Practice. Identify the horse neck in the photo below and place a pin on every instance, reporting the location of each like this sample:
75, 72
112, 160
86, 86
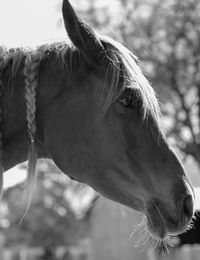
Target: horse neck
13, 103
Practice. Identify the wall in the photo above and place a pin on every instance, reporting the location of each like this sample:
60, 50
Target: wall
111, 228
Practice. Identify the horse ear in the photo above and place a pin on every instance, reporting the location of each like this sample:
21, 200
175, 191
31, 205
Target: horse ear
82, 36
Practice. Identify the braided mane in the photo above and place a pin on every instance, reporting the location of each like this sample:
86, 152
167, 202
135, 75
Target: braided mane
31, 60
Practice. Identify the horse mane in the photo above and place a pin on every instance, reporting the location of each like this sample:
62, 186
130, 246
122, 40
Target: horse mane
122, 71
30, 59
124, 65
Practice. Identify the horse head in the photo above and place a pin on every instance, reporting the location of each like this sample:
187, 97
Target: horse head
104, 130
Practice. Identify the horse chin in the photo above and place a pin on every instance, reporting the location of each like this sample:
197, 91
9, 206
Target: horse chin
152, 237
156, 230
156, 225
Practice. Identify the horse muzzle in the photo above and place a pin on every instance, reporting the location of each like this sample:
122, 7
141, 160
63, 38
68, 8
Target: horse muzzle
163, 220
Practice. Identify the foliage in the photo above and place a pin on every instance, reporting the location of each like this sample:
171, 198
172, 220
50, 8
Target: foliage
53, 217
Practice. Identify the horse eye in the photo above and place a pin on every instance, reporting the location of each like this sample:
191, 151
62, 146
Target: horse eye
126, 97
131, 98
126, 102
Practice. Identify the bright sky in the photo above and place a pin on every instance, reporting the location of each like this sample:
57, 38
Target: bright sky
14, 176
25, 22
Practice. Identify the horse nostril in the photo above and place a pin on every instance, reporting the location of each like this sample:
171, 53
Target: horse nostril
188, 207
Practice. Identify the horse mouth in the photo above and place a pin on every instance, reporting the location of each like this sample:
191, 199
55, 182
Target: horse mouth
156, 224
161, 225
153, 234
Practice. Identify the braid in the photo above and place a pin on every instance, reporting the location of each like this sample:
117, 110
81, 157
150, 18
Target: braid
1, 119
31, 81
32, 62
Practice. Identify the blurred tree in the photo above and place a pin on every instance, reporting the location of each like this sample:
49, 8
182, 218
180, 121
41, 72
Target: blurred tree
54, 218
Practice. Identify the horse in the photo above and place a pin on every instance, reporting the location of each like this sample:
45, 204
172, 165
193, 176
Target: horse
87, 106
